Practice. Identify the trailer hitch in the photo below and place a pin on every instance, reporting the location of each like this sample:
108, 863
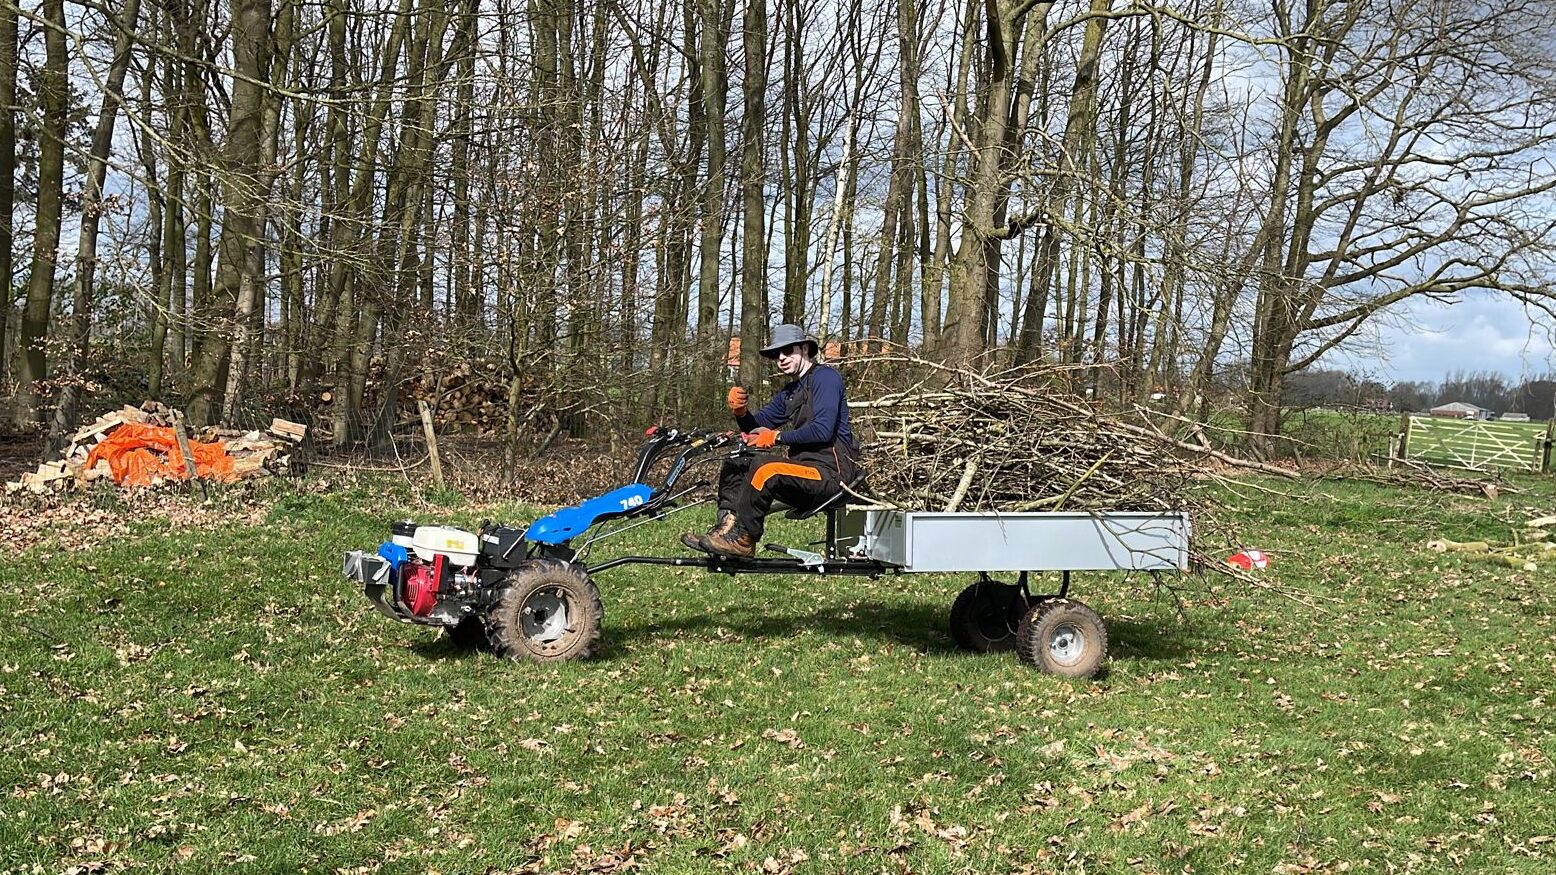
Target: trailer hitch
807, 558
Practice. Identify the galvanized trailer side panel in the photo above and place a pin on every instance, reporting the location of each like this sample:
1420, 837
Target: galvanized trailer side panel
1051, 541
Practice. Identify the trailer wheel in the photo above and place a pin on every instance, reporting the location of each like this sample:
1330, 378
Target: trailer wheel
984, 617
1062, 637
549, 611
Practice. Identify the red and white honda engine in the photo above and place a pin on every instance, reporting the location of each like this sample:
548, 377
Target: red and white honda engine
422, 574
441, 560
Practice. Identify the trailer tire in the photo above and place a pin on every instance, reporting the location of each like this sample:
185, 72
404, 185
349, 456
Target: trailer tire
1062, 637
549, 611
985, 616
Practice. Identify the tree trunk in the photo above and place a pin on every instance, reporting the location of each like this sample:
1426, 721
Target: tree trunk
242, 200
715, 20
167, 201
753, 179
466, 308
7, 174
355, 309
974, 267
834, 227
251, 291
54, 96
66, 410
1074, 157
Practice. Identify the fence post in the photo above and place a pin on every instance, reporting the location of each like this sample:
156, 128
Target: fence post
1402, 445
432, 443
1550, 438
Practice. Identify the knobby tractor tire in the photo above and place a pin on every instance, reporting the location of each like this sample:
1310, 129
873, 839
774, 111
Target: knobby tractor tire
984, 617
1062, 637
549, 611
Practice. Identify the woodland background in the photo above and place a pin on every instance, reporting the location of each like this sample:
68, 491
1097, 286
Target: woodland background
283, 206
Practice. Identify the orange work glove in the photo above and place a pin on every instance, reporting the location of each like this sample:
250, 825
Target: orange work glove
762, 440
737, 399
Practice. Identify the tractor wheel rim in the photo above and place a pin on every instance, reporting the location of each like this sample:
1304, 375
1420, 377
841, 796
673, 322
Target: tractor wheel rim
545, 616
1066, 643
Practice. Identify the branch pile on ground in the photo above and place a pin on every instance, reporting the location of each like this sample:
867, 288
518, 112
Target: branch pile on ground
1008, 442
1409, 473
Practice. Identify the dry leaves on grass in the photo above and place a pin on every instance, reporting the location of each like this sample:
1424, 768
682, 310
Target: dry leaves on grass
628, 857
355, 823
785, 737
784, 863
72, 522
921, 817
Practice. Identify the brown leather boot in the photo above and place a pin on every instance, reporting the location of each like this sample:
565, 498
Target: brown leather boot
721, 526
736, 545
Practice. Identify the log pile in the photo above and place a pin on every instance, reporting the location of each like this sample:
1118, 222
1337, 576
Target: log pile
1009, 443
467, 397
254, 453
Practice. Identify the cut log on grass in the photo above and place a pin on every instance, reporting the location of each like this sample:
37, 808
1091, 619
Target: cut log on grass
1443, 545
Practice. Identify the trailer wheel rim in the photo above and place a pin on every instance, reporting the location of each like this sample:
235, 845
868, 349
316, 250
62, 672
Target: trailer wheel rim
1067, 644
544, 616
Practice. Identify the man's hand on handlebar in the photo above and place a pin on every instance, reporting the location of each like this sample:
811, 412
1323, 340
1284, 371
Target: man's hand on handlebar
761, 439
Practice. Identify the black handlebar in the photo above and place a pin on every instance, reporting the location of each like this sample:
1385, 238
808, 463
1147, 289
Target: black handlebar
694, 445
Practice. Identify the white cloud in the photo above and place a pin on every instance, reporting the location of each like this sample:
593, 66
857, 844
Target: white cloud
1428, 341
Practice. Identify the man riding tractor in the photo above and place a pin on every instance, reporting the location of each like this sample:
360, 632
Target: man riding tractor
808, 417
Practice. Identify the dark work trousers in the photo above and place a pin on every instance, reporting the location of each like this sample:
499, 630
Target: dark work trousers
748, 486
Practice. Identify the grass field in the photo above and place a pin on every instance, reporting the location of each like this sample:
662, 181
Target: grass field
218, 698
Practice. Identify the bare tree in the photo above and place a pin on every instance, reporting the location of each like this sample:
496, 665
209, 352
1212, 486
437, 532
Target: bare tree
7, 171
243, 193
64, 420
753, 183
1409, 161
54, 98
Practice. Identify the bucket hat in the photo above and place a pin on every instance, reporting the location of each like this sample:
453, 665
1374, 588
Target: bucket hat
787, 335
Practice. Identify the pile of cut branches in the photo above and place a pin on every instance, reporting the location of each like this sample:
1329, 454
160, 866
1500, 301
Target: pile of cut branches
1010, 442
1410, 473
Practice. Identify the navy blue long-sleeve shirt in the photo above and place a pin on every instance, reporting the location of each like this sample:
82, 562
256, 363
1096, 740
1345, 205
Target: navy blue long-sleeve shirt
814, 409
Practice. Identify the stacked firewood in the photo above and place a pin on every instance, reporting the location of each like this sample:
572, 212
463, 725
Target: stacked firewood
254, 453
467, 397
1011, 442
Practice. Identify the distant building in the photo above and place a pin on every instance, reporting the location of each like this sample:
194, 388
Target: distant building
1460, 410
1511, 416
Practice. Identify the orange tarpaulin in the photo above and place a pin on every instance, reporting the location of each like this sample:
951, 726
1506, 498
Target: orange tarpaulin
137, 453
